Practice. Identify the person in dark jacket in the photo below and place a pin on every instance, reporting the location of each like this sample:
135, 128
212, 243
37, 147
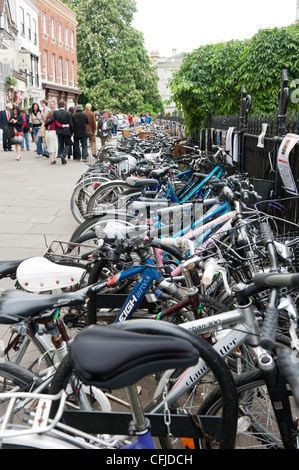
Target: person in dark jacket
80, 123
5, 116
63, 133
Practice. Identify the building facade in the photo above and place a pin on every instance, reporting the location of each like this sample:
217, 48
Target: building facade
8, 36
165, 67
28, 73
58, 51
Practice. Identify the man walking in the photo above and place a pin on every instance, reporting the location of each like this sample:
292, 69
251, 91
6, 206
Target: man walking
63, 133
80, 122
5, 116
91, 128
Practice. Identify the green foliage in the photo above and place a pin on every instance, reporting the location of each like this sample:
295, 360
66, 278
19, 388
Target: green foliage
211, 77
114, 69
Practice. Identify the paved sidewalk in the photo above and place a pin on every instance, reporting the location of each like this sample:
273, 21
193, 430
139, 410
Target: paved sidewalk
34, 203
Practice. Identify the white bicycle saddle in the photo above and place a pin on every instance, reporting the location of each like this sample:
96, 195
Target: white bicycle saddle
40, 275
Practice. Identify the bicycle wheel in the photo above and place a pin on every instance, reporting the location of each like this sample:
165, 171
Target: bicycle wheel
82, 193
257, 427
106, 196
14, 378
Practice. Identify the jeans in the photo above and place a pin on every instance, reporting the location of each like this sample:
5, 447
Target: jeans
77, 150
36, 132
26, 139
114, 129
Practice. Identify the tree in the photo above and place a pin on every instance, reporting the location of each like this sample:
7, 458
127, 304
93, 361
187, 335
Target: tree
211, 77
114, 69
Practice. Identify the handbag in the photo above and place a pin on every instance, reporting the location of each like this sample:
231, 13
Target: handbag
42, 131
17, 139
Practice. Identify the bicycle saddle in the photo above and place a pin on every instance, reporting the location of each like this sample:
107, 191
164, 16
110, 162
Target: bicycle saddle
109, 358
17, 305
38, 274
160, 173
139, 182
8, 268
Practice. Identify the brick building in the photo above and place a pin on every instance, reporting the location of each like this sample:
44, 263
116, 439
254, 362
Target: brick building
58, 51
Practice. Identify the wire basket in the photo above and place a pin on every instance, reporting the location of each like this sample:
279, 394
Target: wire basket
60, 252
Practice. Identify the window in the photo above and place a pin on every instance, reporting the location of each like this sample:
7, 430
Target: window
53, 68
28, 26
44, 27
59, 31
73, 74
36, 71
66, 36
72, 38
22, 21
45, 57
60, 69
34, 31
52, 27
66, 72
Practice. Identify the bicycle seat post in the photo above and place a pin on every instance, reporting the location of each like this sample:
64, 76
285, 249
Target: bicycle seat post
140, 423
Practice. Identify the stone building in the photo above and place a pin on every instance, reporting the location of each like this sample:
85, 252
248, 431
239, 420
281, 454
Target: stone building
165, 68
8, 36
58, 51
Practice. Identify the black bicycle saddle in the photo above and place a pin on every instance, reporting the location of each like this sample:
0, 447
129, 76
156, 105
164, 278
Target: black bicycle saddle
110, 358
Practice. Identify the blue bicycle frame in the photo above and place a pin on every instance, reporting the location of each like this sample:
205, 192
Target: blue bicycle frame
149, 273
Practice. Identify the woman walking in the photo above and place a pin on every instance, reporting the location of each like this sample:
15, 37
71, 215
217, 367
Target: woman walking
36, 120
17, 121
26, 132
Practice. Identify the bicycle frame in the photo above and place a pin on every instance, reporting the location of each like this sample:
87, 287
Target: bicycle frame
149, 274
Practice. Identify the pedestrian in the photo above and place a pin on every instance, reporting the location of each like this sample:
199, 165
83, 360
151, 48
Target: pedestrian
148, 118
115, 124
80, 123
71, 151
44, 110
36, 120
142, 119
44, 107
91, 128
17, 121
50, 134
26, 129
105, 127
5, 116
63, 133
131, 120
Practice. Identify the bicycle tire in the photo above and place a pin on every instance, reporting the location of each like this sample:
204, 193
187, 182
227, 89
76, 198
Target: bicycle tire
257, 435
81, 195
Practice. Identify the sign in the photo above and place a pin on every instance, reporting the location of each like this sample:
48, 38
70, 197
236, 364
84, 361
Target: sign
283, 164
24, 60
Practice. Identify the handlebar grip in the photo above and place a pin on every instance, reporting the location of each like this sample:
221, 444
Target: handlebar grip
290, 370
87, 255
266, 234
269, 328
208, 275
